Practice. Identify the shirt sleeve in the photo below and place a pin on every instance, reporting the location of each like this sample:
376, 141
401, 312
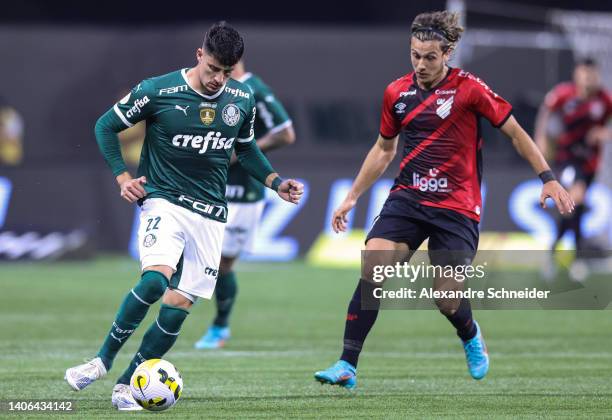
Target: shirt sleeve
489, 104
555, 98
253, 160
389, 125
247, 131
106, 129
137, 104
270, 110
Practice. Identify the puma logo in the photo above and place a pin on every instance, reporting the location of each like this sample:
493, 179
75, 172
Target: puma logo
182, 109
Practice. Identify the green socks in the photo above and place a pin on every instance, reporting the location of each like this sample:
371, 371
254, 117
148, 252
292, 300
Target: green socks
158, 339
225, 294
131, 312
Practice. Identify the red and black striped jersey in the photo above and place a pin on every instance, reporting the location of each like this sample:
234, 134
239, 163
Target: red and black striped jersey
578, 116
442, 163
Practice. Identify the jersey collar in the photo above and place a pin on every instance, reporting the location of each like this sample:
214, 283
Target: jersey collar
442, 82
216, 95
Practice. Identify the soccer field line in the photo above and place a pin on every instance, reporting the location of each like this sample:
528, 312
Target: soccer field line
226, 354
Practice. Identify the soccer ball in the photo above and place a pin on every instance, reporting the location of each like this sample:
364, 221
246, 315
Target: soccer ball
156, 385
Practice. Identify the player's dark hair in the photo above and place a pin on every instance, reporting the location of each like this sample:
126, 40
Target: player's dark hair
224, 43
586, 61
440, 26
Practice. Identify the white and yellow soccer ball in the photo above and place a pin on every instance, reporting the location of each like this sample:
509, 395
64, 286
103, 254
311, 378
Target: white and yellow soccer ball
156, 385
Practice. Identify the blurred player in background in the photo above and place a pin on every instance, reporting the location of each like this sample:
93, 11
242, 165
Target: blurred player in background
571, 127
245, 196
436, 109
195, 119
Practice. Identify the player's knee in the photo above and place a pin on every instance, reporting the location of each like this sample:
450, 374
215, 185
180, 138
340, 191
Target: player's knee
177, 299
447, 307
374, 266
151, 286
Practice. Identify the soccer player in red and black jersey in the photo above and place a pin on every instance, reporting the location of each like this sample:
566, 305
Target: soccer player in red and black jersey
436, 110
578, 111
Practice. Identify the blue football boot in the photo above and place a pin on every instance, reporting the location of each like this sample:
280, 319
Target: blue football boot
214, 338
342, 373
476, 355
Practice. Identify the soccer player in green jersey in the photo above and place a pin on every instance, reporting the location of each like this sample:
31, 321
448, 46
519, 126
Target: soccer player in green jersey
245, 196
195, 119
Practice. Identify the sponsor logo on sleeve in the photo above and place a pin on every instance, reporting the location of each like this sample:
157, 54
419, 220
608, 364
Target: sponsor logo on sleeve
478, 80
137, 107
252, 122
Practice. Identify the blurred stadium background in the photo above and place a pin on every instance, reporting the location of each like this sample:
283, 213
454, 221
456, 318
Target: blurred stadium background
64, 65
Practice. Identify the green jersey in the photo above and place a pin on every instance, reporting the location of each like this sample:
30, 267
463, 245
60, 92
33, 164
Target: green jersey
189, 139
271, 117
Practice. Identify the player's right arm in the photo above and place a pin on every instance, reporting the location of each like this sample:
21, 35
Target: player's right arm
374, 165
135, 106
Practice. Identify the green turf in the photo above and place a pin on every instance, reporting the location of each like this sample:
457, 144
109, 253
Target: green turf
287, 324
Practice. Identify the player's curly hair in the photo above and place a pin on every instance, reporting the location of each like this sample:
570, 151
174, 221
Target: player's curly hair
224, 43
438, 26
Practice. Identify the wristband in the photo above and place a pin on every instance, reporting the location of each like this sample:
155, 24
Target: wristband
547, 176
276, 183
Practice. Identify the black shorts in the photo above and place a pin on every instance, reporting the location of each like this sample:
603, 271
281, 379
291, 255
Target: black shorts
571, 172
406, 221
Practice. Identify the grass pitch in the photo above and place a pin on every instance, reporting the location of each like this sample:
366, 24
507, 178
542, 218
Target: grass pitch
287, 324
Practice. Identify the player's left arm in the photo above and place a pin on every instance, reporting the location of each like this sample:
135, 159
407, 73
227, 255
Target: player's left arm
526, 147
257, 165
498, 111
